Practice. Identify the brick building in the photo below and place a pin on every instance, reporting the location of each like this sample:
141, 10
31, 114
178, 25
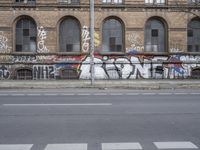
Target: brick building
49, 39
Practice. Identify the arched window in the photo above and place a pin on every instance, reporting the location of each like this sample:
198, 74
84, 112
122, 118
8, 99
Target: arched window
26, 32
155, 36
112, 38
69, 35
194, 35
24, 74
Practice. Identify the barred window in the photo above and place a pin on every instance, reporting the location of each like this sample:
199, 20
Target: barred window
112, 1
24, 74
158, 2
26, 32
25, 1
155, 36
69, 35
194, 35
112, 38
69, 1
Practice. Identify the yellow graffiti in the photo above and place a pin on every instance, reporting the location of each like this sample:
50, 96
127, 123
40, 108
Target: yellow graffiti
96, 39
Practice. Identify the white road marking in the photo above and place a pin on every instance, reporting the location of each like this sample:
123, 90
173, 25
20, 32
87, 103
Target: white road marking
67, 94
66, 147
17, 94
33, 94
49, 94
121, 146
74, 104
148, 93
175, 145
4, 94
100, 94
180, 93
16, 147
116, 94
132, 94
164, 93
83, 94
194, 93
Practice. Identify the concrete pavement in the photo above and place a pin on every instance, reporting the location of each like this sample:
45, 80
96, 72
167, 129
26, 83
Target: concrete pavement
131, 84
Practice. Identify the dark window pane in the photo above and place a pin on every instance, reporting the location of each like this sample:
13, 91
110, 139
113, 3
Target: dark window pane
155, 36
18, 48
69, 35
190, 33
197, 48
190, 48
26, 35
69, 47
25, 32
154, 33
112, 36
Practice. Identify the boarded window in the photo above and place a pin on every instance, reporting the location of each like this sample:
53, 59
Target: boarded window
69, 35
194, 36
112, 38
26, 35
155, 36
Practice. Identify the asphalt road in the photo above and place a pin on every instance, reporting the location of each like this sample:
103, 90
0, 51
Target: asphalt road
93, 119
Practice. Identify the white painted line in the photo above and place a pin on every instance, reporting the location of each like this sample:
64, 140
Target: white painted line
17, 94
83, 94
16, 147
116, 94
194, 93
164, 93
148, 93
100, 94
66, 147
4, 94
49, 94
180, 93
33, 94
175, 145
67, 94
132, 94
121, 146
86, 104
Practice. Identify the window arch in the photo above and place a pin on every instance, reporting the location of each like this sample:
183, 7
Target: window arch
25, 35
69, 35
155, 36
193, 34
112, 35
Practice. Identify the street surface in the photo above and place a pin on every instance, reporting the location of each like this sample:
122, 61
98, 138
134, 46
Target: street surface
99, 119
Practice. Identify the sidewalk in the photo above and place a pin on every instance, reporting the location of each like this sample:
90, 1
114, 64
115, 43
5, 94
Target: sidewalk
121, 84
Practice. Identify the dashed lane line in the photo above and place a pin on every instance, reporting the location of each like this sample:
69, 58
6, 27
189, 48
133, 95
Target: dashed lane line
72, 104
175, 145
16, 147
66, 147
121, 146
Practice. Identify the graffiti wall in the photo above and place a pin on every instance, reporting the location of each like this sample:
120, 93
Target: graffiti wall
106, 67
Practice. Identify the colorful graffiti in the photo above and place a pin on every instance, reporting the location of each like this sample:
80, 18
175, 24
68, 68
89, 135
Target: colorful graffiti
4, 48
106, 67
42, 35
4, 72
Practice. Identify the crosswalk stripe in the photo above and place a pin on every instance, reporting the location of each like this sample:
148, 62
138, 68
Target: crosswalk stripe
175, 145
16, 147
121, 146
80, 146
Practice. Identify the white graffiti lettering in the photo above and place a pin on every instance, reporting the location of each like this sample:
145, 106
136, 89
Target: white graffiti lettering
42, 35
4, 48
85, 39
